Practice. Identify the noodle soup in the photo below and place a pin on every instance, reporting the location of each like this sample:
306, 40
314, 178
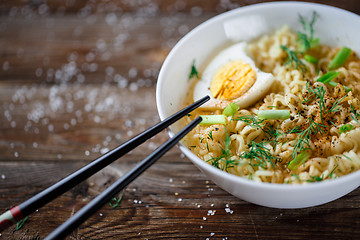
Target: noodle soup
317, 138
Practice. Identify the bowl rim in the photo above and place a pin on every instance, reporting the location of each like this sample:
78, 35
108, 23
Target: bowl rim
215, 171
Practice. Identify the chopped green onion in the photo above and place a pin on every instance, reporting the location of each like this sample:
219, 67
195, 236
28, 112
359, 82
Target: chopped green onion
213, 119
274, 114
345, 128
332, 83
300, 158
327, 77
310, 59
340, 58
231, 109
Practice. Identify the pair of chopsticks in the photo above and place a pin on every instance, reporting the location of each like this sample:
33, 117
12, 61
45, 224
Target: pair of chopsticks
19, 212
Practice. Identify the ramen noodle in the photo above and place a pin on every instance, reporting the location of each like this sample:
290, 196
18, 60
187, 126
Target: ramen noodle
319, 141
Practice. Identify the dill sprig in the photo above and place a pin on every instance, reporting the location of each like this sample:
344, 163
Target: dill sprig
193, 71
114, 202
354, 115
306, 40
302, 141
224, 161
251, 120
272, 134
21, 223
293, 60
320, 92
259, 153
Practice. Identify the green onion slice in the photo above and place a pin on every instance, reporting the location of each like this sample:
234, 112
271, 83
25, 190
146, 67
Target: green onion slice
332, 83
213, 119
274, 114
231, 109
340, 58
327, 77
310, 59
345, 128
300, 158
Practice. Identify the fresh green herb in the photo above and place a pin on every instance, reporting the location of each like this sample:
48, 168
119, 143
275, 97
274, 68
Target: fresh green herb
330, 175
339, 58
293, 59
225, 157
207, 147
213, 119
327, 77
21, 223
274, 114
347, 158
231, 109
194, 71
210, 135
259, 153
114, 202
302, 141
306, 40
251, 120
296, 129
311, 59
336, 106
319, 92
315, 179
355, 115
272, 134
298, 160
345, 128
201, 139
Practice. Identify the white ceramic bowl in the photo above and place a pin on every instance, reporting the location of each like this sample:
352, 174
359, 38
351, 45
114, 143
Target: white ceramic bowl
335, 27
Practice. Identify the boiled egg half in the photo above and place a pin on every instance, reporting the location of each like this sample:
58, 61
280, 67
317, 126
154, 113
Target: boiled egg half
232, 77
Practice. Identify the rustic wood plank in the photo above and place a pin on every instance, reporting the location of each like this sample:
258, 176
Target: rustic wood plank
77, 78
174, 200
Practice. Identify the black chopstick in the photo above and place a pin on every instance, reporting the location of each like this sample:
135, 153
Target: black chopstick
17, 213
84, 213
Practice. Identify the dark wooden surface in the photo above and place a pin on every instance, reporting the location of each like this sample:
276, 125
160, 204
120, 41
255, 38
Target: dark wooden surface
77, 78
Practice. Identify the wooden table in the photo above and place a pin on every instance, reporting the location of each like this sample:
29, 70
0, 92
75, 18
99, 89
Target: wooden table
78, 79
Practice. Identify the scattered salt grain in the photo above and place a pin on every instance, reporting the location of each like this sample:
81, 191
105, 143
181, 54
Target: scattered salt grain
87, 153
201, 227
211, 212
180, 200
133, 87
104, 150
212, 234
170, 180
3, 176
16, 154
100, 214
204, 218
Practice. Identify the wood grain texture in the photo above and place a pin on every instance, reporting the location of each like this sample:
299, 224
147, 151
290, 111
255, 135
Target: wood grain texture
78, 78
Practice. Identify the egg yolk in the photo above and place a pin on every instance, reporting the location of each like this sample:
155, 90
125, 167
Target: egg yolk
232, 80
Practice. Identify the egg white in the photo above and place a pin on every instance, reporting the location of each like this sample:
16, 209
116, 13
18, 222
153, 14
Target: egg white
233, 53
